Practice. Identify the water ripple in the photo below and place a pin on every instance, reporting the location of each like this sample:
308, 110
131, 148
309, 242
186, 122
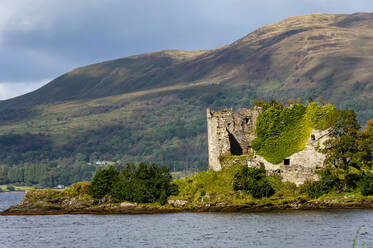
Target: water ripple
286, 229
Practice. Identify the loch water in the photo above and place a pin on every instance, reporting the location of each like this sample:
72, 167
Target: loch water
335, 228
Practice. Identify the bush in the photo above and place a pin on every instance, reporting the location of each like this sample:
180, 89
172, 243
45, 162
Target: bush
328, 181
262, 189
144, 184
80, 188
353, 180
103, 182
366, 185
314, 189
10, 188
253, 181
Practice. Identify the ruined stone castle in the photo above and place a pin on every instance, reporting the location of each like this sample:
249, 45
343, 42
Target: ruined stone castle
231, 133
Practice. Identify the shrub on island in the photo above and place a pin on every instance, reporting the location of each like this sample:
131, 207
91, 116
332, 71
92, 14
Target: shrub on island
140, 183
328, 181
253, 181
10, 188
103, 182
366, 185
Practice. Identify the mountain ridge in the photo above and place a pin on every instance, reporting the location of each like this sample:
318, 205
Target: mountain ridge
151, 107
115, 72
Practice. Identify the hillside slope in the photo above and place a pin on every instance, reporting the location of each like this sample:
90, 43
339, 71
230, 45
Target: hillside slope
300, 52
152, 106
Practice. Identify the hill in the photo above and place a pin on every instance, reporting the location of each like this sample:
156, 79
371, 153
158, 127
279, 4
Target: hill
151, 107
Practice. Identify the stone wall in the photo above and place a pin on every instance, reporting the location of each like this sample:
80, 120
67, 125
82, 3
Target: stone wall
302, 165
230, 133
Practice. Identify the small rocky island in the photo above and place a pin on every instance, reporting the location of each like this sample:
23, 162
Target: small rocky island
269, 157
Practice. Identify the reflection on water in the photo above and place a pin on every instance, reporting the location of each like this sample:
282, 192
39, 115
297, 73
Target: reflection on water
278, 229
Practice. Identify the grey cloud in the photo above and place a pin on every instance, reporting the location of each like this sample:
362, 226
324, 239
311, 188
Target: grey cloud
45, 38
9, 90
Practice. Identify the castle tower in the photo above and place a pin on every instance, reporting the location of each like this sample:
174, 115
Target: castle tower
230, 133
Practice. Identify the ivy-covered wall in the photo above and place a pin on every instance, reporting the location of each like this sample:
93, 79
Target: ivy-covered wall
283, 131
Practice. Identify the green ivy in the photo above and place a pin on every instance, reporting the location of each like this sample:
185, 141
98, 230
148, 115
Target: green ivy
283, 131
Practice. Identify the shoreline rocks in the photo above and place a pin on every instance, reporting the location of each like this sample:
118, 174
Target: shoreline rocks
176, 206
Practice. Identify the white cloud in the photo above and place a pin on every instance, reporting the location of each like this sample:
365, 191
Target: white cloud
10, 90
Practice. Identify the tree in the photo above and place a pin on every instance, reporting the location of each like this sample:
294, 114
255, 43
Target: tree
103, 182
10, 188
253, 181
342, 148
144, 183
365, 154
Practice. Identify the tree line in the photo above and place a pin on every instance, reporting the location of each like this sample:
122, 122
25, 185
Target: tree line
46, 175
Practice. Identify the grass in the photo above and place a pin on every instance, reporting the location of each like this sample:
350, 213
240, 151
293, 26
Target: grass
228, 159
205, 187
208, 186
142, 106
77, 190
217, 186
355, 237
214, 188
17, 188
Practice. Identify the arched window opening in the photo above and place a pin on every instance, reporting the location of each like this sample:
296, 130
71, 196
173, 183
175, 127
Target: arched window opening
235, 147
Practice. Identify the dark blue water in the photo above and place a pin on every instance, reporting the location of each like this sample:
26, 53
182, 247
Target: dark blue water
283, 229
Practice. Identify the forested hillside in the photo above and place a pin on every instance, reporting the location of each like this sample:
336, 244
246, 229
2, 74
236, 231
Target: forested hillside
151, 107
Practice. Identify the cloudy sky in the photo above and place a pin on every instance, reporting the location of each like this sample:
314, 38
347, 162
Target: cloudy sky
42, 39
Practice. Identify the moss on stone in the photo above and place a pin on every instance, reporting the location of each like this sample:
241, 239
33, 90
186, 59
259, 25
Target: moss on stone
283, 131
227, 160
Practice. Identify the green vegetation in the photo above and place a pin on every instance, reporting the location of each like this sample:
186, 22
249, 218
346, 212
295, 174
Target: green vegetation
328, 181
78, 191
253, 181
152, 107
103, 182
345, 181
170, 134
234, 185
5, 188
366, 185
349, 156
332, 181
356, 237
225, 186
208, 186
283, 131
10, 188
142, 183
47, 174
342, 150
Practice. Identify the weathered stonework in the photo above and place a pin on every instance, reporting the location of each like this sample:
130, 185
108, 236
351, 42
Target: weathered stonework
302, 165
231, 133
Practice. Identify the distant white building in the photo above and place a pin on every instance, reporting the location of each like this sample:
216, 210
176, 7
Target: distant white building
102, 162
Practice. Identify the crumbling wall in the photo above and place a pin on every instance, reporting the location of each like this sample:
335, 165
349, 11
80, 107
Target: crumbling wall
302, 165
230, 133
